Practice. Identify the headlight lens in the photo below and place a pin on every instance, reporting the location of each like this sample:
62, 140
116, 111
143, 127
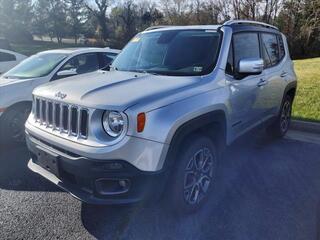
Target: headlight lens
113, 123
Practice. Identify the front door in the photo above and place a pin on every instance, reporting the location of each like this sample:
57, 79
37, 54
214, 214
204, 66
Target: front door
246, 91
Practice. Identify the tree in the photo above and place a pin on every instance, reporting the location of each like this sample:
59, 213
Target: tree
75, 10
271, 10
15, 18
128, 16
300, 22
148, 14
100, 12
51, 18
176, 11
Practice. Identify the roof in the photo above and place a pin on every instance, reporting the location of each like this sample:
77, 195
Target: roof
201, 27
236, 25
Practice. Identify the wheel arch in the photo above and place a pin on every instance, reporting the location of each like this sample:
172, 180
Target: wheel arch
19, 104
6, 117
16, 105
290, 90
212, 124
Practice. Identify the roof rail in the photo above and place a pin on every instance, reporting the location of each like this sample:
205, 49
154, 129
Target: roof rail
158, 27
232, 22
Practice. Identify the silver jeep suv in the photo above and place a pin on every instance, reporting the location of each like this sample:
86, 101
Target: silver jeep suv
159, 117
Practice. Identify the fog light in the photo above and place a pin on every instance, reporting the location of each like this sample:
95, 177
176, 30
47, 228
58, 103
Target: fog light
106, 186
123, 183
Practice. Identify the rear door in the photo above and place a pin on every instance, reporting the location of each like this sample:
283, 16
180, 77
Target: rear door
273, 53
245, 98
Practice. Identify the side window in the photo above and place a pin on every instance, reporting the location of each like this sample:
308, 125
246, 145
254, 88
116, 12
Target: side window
246, 45
83, 63
108, 58
7, 57
270, 49
282, 51
229, 66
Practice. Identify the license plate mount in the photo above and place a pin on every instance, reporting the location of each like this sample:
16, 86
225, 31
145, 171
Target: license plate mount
49, 161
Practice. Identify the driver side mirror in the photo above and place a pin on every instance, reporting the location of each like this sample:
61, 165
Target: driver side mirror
67, 73
250, 66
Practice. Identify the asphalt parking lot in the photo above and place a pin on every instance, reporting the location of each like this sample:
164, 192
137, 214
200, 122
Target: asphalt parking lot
264, 190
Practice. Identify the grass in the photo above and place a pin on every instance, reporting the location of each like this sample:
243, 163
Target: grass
307, 102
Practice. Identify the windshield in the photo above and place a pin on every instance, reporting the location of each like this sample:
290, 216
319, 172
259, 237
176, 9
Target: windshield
171, 52
38, 65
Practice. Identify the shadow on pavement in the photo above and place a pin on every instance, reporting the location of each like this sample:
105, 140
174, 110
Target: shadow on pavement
14, 173
265, 189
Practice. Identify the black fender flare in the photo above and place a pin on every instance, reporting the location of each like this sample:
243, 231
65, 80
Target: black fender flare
212, 124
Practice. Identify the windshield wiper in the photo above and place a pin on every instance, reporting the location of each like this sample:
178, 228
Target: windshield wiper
144, 71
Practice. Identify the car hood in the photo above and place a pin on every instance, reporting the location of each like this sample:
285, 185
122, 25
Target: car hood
114, 90
8, 81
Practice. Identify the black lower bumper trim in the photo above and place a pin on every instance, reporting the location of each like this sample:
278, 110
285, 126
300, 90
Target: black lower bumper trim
78, 176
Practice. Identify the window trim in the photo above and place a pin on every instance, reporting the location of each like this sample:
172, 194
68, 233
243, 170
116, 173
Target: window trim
233, 53
285, 52
279, 36
278, 59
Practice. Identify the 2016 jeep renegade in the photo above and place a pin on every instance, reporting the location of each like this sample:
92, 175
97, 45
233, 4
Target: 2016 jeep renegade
158, 118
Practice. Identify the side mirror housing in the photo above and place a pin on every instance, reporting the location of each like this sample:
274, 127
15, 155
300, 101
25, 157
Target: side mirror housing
250, 66
67, 73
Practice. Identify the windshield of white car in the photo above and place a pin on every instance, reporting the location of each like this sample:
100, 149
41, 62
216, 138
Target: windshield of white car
171, 52
35, 66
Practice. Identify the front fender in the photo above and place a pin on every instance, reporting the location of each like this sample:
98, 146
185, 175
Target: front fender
17, 92
162, 123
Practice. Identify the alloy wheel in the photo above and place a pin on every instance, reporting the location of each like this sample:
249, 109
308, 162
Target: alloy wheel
198, 176
285, 116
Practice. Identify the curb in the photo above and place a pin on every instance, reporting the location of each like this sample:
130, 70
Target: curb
311, 127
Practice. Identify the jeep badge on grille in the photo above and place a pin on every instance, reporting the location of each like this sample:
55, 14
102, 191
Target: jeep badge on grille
60, 95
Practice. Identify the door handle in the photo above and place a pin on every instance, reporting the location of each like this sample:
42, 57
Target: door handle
262, 82
283, 74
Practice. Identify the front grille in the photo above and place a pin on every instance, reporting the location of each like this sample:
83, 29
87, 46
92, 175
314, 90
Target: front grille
62, 117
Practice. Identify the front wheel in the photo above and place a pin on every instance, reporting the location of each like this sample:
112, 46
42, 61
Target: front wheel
282, 123
193, 176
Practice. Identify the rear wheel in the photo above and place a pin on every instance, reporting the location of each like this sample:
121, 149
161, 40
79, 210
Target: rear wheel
281, 125
12, 125
192, 178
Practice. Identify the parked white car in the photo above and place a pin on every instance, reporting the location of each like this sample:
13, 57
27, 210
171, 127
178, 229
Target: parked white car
9, 59
16, 85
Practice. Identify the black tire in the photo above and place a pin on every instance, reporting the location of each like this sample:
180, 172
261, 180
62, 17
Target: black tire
185, 198
12, 125
282, 123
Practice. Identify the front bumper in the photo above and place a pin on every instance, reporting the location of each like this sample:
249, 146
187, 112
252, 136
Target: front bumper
93, 181
143, 154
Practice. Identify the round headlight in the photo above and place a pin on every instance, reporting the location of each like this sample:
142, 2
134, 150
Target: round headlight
113, 123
